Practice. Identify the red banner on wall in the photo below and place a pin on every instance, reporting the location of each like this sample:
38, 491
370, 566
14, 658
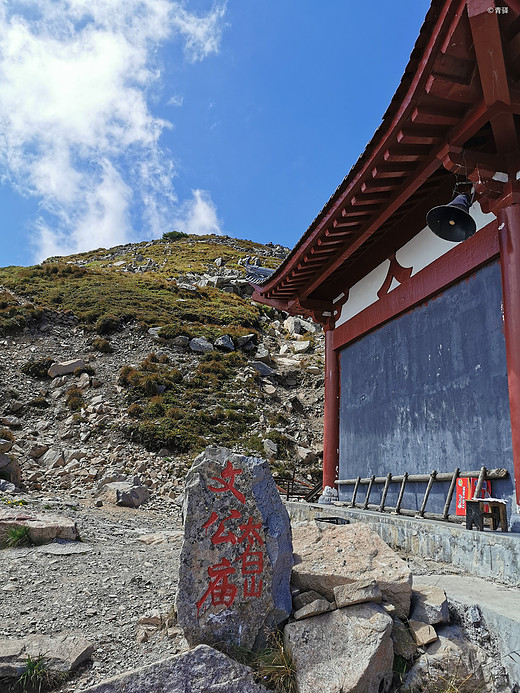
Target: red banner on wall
466, 489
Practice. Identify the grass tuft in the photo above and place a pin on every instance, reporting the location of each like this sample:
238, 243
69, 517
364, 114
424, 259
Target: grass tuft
16, 537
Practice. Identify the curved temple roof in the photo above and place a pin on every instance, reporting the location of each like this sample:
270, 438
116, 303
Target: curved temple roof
456, 111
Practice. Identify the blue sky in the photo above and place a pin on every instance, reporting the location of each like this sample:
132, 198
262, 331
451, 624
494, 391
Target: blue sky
122, 119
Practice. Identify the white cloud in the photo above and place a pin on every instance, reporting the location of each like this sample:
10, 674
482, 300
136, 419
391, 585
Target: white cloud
76, 130
198, 215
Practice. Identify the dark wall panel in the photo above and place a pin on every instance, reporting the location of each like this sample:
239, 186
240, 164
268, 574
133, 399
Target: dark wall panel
428, 390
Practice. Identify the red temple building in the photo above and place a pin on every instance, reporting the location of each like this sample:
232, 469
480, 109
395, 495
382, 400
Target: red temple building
423, 334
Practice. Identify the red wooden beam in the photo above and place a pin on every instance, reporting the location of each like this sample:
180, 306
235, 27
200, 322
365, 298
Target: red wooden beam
487, 41
509, 238
330, 413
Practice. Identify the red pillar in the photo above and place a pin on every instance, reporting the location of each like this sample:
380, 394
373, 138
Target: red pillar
331, 414
509, 239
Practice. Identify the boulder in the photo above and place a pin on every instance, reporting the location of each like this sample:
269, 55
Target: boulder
129, 494
318, 606
201, 670
65, 367
328, 556
61, 653
298, 326
357, 592
43, 527
10, 470
455, 662
262, 368
429, 605
343, 650
52, 458
200, 345
225, 343
423, 633
236, 558
404, 644
5, 445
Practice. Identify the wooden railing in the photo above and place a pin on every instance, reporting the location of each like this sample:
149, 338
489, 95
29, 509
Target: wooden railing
291, 487
482, 475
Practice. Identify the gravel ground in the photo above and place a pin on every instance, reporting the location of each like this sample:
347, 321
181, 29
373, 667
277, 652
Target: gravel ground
99, 594
102, 592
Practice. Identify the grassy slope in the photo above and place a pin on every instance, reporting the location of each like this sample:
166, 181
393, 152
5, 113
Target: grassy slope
166, 408
101, 296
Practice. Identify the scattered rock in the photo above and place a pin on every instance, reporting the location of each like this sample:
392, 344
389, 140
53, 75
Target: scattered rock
303, 598
357, 593
42, 527
404, 644
61, 653
429, 605
262, 368
344, 650
225, 343
298, 326
270, 448
10, 470
328, 556
200, 345
423, 633
319, 606
201, 670
451, 658
5, 445
301, 347
130, 494
65, 367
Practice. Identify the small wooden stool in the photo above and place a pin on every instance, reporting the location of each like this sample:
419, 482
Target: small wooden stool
475, 514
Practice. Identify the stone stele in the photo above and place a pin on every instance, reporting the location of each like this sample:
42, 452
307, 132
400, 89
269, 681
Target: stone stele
236, 558
328, 556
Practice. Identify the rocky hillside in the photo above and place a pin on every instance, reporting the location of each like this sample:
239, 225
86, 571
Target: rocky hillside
169, 355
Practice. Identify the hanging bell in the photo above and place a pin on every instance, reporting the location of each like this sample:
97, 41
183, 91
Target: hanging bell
452, 222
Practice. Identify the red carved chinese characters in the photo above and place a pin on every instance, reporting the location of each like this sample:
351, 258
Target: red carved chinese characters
221, 535
229, 473
221, 590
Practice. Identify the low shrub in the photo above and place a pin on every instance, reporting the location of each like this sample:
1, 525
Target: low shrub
102, 345
74, 399
37, 369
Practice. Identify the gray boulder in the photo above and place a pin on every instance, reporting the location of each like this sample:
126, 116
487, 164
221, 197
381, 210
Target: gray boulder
225, 343
201, 670
65, 367
452, 658
429, 605
130, 494
343, 650
61, 653
42, 527
236, 559
200, 345
10, 470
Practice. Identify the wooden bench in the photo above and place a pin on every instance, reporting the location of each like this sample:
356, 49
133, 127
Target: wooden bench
476, 514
